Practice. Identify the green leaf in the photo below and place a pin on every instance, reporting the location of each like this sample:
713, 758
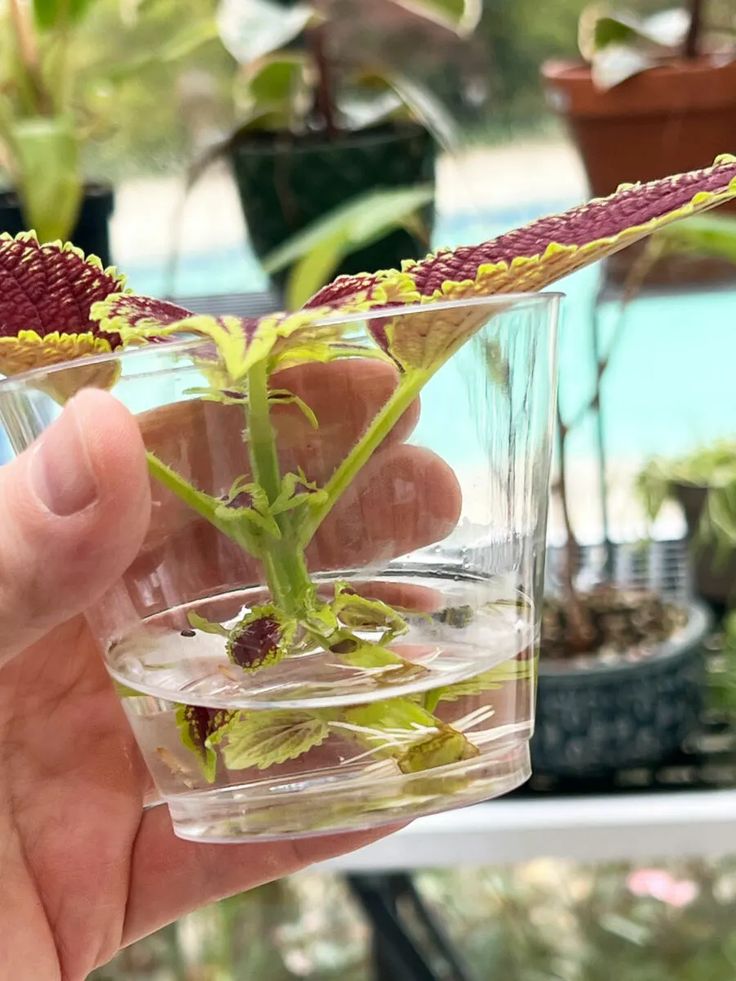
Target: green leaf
448, 746
50, 180
321, 620
373, 656
313, 270
609, 30
258, 513
661, 34
206, 626
367, 655
265, 739
653, 487
197, 728
178, 46
622, 45
617, 62
422, 342
516, 670
261, 639
282, 396
138, 317
274, 81
360, 613
666, 29
701, 235
318, 249
50, 14
297, 490
226, 520
361, 108
425, 109
393, 713
250, 29
720, 516
183, 43
365, 218
461, 16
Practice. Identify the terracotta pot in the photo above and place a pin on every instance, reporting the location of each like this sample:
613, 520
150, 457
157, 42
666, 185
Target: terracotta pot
669, 119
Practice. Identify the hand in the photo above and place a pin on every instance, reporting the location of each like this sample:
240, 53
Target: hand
84, 869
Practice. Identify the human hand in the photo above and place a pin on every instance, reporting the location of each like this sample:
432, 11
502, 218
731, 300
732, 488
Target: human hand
84, 867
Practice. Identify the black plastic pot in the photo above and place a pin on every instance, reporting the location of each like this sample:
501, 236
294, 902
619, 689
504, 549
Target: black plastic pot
714, 575
91, 233
285, 183
594, 718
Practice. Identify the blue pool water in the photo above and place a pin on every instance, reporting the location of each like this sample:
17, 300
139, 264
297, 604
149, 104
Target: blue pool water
670, 386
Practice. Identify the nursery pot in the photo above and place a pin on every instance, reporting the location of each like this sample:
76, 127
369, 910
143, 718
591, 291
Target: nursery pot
286, 182
670, 119
715, 575
306, 642
90, 234
594, 718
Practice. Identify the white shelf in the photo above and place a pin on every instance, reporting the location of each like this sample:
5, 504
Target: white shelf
590, 829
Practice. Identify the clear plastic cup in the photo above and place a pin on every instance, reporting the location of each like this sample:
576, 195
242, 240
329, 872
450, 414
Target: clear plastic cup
333, 621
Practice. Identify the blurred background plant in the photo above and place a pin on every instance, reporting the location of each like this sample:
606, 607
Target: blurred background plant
81, 84
133, 91
325, 117
703, 481
619, 43
548, 920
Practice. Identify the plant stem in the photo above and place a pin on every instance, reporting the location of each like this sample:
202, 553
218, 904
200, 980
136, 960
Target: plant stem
324, 98
283, 561
577, 620
571, 546
694, 31
601, 362
406, 391
25, 39
262, 441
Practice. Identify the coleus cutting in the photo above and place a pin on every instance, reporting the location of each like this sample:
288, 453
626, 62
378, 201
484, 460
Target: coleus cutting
56, 305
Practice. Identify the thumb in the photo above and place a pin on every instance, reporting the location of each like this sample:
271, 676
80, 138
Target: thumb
75, 509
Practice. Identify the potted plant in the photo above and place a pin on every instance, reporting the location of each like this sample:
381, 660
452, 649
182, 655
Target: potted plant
303, 644
620, 670
323, 120
57, 66
704, 484
620, 673
651, 94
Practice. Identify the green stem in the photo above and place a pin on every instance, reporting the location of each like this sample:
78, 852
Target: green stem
406, 391
283, 561
262, 441
203, 504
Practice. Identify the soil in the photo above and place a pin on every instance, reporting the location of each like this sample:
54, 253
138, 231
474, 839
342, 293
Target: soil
630, 622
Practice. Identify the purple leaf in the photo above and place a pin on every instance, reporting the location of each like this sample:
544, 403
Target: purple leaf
543, 251
259, 640
138, 312
49, 288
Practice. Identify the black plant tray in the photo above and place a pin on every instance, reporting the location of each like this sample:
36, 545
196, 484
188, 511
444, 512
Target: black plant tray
706, 760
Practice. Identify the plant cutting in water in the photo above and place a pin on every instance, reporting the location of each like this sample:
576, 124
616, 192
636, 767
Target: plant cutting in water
55, 306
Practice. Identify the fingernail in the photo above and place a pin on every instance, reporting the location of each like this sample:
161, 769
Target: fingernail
61, 473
